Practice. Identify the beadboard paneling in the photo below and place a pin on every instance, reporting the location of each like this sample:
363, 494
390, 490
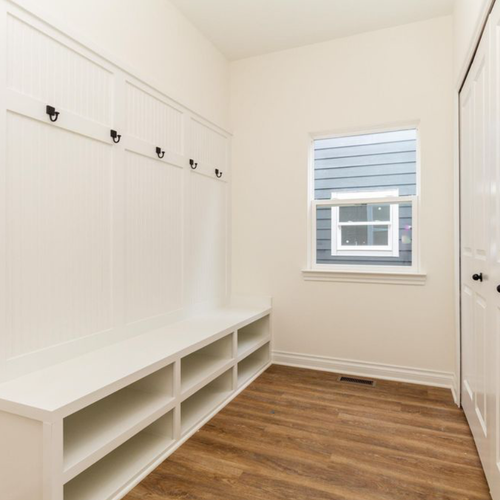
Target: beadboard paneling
99, 241
153, 121
43, 68
207, 239
58, 236
153, 237
207, 145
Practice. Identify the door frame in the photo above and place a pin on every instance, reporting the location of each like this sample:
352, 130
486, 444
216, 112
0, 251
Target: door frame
462, 76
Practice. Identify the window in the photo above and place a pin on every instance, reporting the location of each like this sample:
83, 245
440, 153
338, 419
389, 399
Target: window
364, 202
365, 230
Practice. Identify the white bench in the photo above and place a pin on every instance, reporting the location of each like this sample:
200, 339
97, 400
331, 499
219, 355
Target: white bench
92, 427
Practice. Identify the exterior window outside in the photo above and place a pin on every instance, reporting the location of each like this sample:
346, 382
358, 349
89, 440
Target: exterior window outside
349, 172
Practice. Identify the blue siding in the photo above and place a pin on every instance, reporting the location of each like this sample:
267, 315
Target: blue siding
375, 162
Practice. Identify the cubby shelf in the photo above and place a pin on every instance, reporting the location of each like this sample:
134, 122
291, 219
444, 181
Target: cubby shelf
199, 405
111, 474
251, 336
140, 400
89, 432
200, 367
102, 426
251, 365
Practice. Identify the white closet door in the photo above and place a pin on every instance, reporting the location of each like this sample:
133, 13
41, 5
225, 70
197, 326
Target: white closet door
480, 250
475, 305
493, 472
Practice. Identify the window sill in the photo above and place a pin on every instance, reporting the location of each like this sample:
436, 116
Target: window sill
377, 277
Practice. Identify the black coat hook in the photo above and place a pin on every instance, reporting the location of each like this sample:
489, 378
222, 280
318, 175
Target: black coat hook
160, 153
218, 173
193, 164
53, 114
115, 136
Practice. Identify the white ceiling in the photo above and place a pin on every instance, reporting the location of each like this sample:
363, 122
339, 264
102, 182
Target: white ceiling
244, 28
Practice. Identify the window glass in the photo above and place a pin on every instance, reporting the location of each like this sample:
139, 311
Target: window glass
365, 213
365, 235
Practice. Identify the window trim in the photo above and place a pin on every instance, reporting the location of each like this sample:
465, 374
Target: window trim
405, 275
389, 250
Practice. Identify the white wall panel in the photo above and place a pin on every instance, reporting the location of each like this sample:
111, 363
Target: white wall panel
207, 239
99, 241
153, 121
207, 145
58, 236
153, 237
43, 68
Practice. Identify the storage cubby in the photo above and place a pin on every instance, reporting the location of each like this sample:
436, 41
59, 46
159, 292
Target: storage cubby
252, 335
100, 427
111, 474
253, 363
105, 431
200, 404
196, 368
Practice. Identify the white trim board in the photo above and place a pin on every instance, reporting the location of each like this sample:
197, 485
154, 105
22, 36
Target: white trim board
380, 276
365, 369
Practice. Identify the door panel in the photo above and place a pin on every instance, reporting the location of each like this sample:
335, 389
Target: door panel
481, 365
493, 473
480, 249
475, 119
468, 344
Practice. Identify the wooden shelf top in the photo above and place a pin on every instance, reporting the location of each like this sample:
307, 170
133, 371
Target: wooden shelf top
64, 388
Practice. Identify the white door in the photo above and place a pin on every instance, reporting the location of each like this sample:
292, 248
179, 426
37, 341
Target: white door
474, 101
480, 249
493, 472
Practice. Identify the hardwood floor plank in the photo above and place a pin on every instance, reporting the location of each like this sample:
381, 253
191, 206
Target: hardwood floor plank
297, 434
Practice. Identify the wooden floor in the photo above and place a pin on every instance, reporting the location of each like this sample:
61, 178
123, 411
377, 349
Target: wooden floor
301, 435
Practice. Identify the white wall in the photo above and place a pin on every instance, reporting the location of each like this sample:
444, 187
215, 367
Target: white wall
374, 79
468, 17
123, 245
155, 39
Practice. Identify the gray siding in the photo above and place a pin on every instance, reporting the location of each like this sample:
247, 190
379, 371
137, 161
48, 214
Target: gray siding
365, 163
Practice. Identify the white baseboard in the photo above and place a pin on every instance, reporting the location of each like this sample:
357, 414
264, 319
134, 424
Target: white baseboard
364, 369
456, 391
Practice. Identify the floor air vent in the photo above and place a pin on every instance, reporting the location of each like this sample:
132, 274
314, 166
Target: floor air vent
354, 380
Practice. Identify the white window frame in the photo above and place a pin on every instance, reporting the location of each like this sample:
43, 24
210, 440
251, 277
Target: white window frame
389, 250
401, 275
